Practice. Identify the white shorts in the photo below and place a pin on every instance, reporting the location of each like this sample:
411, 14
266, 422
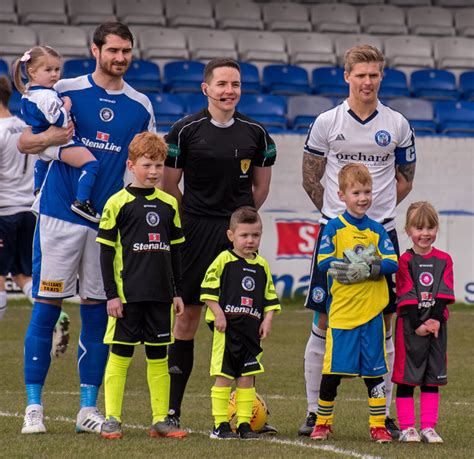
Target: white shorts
62, 252
51, 153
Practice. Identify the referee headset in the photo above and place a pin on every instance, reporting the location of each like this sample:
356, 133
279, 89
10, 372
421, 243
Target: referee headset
222, 99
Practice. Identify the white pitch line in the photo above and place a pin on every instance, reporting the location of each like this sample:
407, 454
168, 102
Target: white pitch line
287, 442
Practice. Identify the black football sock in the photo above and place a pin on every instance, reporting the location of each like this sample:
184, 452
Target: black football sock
180, 364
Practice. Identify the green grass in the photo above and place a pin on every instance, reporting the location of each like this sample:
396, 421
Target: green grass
282, 386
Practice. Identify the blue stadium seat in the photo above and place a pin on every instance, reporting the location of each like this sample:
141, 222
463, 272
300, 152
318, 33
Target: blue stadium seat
193, 101
144, 76
329, 81
168, 108
267, 109
3, 67
15, 103
183, 76
73, 68
250, 78
455, 118
434, 84
419, 112
303, 110
394, 84
466, 85
285, 79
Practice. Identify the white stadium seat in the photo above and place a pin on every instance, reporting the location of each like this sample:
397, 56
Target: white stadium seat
344, 42
189, 13
454, 53
286, 16
205, 44
140, 12
69, 41
16, 39
90, 11
7, 12
44, 11
162, 44
238, 14
335, 17
258, 47
430, 21
310, 48
408, 51
464, 21
383, 19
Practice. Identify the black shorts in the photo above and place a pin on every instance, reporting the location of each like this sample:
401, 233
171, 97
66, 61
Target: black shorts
318, 286
231, 358
205, 238
16, 243
419, 360
146, 322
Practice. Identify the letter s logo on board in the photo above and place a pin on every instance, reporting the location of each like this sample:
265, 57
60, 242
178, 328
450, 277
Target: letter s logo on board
296, 238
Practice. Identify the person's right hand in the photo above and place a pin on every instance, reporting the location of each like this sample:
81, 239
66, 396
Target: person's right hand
59, 136
422, 330
115, 308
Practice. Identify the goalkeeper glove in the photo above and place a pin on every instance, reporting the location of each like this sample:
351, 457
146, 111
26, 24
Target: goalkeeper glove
366, 256
349, 273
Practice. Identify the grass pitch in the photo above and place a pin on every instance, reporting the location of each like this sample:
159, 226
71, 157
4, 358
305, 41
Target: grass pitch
282, 386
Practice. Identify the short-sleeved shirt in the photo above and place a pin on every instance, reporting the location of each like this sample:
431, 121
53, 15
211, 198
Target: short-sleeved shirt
142, 228
421, 279
352, 305
105, 122
244, 290
380, 142
218, 161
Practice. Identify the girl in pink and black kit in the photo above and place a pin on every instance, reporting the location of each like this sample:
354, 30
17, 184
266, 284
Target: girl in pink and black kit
424, 290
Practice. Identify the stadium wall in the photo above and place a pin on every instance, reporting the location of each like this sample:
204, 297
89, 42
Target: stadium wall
444, 176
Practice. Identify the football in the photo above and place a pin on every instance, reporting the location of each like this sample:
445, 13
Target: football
259, 412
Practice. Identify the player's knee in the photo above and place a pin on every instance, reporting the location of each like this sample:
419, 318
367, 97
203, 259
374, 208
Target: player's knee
187, 324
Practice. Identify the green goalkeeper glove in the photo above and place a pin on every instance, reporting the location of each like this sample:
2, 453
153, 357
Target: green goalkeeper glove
366, 256
349, 273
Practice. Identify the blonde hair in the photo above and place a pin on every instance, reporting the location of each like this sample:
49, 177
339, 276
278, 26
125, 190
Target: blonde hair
421, 214
363, 53
353, 173
148, 145
31, 59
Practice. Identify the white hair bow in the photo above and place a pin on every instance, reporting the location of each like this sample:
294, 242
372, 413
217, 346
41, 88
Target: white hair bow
26, 56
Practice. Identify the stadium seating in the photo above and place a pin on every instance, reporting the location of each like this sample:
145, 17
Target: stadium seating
409, 2
189, 13
455, 118
267, 109
329, 81
302, 111
267, 47
183, 76
408, 51
16, 39
7, 12
15, 103
394, 84
430, 20
335, 17
383, 19
3, 67
466, 85
44, 11
419, 112
281, 79
464, 21
250, 78
144, 76
168, 109
286, 16
454, 53
193, 101
69, 41
140, 12
205, 44
434, 84
90, 11
162, 44
346, 41
310, 48
73, 68
238, 14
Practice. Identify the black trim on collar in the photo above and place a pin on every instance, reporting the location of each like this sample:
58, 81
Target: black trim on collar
367, 120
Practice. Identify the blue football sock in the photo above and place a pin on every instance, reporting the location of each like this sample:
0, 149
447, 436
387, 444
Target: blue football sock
87, 180
41, 169
92, 352
38, 340
33, 394
89, 395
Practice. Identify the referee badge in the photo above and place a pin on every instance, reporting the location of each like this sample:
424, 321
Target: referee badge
248, 283
244, 165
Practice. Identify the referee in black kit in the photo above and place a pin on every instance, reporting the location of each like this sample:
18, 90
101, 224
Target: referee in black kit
225, 158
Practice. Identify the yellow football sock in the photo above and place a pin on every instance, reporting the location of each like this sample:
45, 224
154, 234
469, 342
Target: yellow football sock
325, 412
377, 412
159, 386
114, 384
220, 401
244, 403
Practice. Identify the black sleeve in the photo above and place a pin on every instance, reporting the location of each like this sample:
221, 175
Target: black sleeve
438, 309
177, 269
412, 310
107, 255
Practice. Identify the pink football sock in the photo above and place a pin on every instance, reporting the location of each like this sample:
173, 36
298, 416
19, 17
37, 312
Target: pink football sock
405, 412
429, 407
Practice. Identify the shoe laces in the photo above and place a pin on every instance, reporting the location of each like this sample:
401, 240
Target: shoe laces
172, 420
96, 415
33, 417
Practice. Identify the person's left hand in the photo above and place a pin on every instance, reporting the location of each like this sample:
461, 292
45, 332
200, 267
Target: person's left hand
178, 306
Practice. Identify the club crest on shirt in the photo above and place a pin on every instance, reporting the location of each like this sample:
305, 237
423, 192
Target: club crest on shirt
318, 295
426, 279
244, 165
383, 138
248, 283
106, 114
152, 218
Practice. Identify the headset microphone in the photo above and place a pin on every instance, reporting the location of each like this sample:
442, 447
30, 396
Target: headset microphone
222, 99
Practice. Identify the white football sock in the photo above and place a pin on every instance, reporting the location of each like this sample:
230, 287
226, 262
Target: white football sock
3, 304
313, 366
390, 349
28, 291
